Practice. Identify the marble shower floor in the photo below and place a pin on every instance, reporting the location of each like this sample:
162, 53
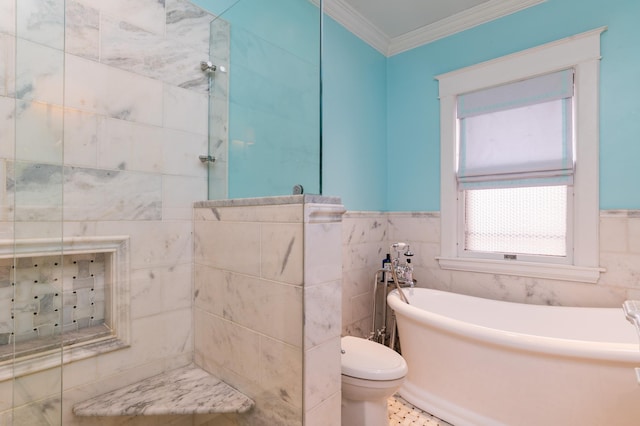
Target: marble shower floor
402, 413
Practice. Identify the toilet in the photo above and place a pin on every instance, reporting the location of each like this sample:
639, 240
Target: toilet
371, 373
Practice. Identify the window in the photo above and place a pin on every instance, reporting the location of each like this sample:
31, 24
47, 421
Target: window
515, 167
519, 163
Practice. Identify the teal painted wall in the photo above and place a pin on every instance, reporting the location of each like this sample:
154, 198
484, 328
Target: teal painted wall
354, 120
413, 109
381, 140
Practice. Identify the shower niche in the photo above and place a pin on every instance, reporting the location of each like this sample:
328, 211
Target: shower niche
72, 294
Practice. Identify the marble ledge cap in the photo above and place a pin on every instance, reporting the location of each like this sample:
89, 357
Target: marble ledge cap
270, 201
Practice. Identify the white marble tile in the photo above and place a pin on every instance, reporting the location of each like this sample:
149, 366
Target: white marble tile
147, 14
101, 89
364, 228
38, 191
178, 195
209, 283
281, 371
418, 227
159, 336
7, 64
328, 412
39, 132
634, 235
622, 269
282, 252
153, 243
266, 307
322, 313
322, 260
92, 194
188, 23
132, 48
80, 372
41, 21
82, 33
180, 151
7, 129
126, 145
146, 293
365, 255
186, 110
39, 413
222, 344
6, 396
82, 134
234, 246
160, 289
322, 369
178, 336
41, 385
177, 284
7, 16
613, 235
39, 75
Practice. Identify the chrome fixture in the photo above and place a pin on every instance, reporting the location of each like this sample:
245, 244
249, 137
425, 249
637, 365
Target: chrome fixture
210, 67
297, 189
207, 158
400, 274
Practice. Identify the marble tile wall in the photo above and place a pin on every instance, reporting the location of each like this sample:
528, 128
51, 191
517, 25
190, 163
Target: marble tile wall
367, 235
103, 113
267, 306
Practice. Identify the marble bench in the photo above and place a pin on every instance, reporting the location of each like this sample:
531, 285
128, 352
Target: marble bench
187, 390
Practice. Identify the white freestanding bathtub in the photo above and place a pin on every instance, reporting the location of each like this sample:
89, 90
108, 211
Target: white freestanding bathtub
476, 361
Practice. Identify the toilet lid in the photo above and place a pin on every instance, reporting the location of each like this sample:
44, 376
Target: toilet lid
364, 359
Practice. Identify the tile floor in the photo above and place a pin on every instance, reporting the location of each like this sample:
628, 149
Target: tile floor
402, 413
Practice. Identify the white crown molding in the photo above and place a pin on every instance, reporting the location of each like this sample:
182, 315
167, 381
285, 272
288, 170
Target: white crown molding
364, 29
353, 21
485, 12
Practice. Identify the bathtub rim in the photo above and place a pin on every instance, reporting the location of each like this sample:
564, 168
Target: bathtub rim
619, 352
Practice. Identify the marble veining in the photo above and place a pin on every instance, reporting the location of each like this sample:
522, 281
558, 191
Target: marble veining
187, 390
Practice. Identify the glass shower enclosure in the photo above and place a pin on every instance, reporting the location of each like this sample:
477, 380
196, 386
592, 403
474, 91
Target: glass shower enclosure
32, 314
264, 110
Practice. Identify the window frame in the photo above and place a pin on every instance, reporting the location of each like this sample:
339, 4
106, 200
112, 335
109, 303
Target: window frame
582, 53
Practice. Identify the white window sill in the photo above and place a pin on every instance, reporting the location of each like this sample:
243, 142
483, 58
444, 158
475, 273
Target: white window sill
523, 269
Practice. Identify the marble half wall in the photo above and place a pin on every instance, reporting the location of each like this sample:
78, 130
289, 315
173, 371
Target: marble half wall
367, 235
267, 304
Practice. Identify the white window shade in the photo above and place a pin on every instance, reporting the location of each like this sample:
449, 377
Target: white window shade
518, 134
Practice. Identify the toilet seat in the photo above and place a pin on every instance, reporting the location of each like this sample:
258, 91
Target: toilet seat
364, 359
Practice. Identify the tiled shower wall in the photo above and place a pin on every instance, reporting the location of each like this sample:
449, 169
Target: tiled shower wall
113, 91
367, 236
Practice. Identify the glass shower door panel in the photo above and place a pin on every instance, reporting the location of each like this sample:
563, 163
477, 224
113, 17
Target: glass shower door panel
264, 110
32, 204
218, 170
